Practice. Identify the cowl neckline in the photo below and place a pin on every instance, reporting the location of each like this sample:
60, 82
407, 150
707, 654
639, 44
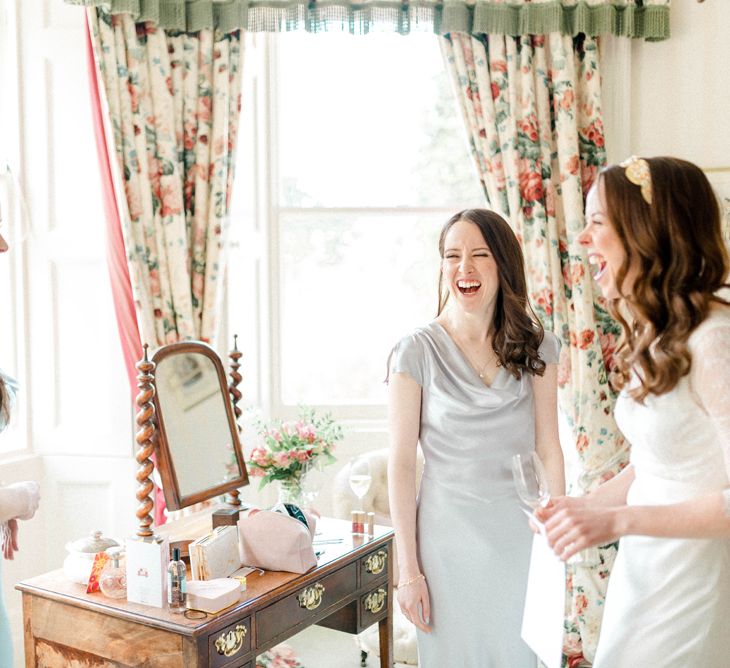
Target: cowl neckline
499, 383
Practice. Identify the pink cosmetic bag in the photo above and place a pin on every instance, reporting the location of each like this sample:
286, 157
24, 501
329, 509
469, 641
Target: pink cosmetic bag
276, 542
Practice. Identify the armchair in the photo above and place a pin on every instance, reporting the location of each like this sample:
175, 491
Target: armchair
376, 500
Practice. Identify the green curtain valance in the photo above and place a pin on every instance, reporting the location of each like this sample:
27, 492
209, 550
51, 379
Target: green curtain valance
647, 19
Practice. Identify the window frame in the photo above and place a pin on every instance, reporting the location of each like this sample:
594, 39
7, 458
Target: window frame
264, 186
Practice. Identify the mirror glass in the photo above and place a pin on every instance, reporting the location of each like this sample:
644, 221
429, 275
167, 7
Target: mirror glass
199, 450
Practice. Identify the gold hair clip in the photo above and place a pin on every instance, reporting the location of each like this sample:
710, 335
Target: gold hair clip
637, 171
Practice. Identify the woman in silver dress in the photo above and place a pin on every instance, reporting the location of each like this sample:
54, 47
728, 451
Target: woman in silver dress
475, 387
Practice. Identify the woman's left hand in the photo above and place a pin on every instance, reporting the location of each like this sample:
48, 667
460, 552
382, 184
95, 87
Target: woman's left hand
573, 524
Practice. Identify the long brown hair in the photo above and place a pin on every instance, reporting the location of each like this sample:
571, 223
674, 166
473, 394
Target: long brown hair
517, 333
681, 261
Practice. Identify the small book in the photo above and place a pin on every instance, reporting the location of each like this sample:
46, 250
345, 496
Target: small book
215, 555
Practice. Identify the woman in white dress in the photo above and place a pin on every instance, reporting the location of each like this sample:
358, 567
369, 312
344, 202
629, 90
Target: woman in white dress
475, 386
653, 234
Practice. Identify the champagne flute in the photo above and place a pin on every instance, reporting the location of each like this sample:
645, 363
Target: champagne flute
531, 481
360, 477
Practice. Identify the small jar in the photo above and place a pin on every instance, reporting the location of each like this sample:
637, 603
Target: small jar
81, 553
113, 580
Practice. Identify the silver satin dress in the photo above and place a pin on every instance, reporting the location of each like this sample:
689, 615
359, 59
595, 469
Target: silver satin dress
473, 540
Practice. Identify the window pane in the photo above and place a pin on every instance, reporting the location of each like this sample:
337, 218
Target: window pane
370, 121
351, 287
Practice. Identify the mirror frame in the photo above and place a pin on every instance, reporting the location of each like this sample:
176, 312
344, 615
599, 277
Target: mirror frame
165, 465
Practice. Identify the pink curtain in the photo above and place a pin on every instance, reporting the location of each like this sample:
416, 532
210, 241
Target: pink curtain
116, 255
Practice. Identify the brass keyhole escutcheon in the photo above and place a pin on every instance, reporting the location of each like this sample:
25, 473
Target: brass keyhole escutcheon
311, 597
375, 600
230, 643
375, 563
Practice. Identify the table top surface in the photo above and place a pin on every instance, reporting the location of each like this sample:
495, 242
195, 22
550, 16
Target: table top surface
55, 585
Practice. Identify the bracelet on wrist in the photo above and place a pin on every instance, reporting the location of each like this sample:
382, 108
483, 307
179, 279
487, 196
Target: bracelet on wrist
415, 578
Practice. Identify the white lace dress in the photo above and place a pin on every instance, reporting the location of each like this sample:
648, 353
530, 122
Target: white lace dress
668, 600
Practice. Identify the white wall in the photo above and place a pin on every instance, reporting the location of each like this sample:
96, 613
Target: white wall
680, 89
75, 388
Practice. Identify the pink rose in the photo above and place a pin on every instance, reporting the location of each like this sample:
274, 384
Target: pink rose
282, 458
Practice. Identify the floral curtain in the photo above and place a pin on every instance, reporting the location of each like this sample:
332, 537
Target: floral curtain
532, 107
173, 105
648, 19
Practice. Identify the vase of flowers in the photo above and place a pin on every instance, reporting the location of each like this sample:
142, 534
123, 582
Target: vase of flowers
290, 449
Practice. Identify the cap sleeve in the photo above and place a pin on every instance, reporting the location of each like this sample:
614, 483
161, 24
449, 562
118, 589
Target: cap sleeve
408, 357
550, 348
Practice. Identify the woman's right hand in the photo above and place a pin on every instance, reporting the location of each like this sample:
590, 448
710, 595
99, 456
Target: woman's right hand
414, 602
573, 524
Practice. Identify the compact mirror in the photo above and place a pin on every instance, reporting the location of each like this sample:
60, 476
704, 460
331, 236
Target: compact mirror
198, 449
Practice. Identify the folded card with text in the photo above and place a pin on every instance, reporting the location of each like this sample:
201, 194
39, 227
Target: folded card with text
542, 622
215, 555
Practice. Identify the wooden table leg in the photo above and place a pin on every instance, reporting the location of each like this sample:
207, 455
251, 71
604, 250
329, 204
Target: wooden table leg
385, 626
29, 641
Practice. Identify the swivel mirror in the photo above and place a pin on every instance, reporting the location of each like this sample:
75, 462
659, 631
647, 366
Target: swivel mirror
198, 449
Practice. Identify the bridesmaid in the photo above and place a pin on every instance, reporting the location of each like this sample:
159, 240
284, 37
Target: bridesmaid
475, 386
653, 234
17, 501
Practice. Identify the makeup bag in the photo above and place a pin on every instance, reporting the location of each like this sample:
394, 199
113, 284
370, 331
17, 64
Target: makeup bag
277, 541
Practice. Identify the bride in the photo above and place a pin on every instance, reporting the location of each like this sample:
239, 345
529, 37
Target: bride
653, 234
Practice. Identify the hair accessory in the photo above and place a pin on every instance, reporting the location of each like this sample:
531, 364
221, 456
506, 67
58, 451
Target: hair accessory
637, 171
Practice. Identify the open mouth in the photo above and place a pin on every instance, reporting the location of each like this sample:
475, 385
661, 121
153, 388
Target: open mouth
468, 287
598, 266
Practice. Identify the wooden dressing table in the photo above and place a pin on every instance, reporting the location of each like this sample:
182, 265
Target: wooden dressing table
349, 590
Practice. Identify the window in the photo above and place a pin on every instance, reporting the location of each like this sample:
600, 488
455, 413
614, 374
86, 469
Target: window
366, 157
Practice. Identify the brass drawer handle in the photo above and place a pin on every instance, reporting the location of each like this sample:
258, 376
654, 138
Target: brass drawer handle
375, 563
375, 600
230, 643
311, 597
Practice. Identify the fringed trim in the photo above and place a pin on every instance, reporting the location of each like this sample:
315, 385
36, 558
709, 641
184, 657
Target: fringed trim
641, 20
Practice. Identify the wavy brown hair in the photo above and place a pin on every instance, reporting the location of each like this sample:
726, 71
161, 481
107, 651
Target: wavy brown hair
517, 333
677, 246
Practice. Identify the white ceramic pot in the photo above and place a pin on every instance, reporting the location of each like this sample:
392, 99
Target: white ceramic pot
81, 555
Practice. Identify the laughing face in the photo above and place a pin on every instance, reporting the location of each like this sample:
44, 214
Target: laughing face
469, 269
606, 252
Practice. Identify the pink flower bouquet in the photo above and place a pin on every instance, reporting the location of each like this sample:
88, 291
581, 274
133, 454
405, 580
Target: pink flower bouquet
289, 447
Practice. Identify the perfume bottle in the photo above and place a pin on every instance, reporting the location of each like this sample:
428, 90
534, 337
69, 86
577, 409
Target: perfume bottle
176, 585
113, 580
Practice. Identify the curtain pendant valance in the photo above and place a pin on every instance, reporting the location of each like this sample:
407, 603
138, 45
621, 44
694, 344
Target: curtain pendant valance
647, 19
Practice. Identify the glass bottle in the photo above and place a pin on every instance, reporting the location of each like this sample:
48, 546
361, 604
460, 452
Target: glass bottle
113, 580
176, 583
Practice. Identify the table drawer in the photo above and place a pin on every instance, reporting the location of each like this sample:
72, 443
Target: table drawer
373, 606
230, 643
307, 604
374, 566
